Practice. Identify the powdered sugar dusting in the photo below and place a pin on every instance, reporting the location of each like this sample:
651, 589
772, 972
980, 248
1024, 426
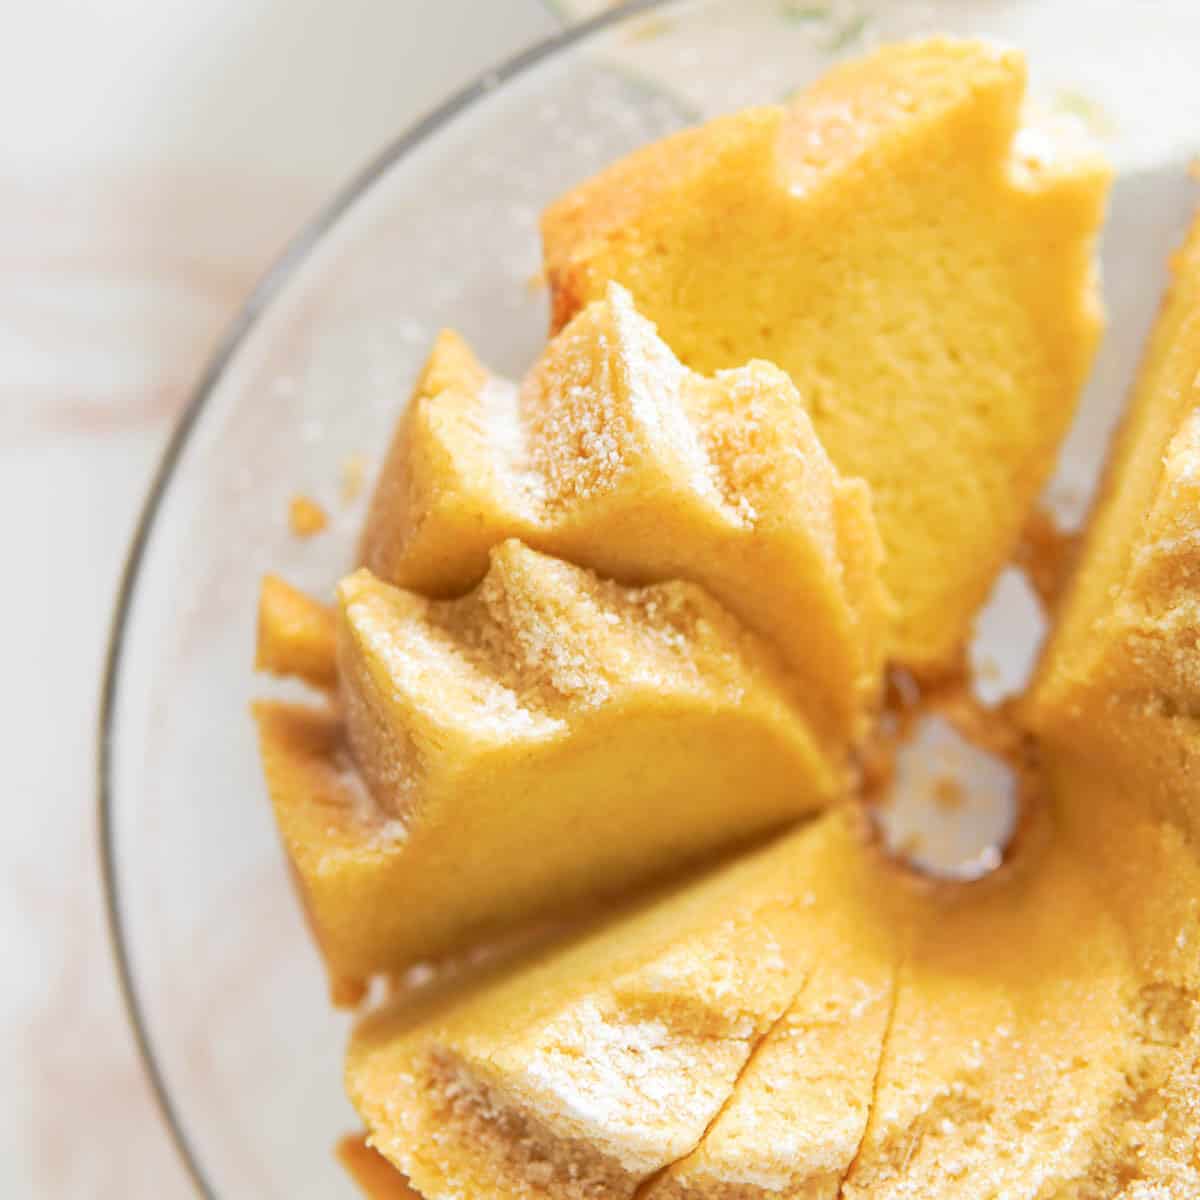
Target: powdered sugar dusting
507, 436
528, 635
641, 1090
607, 401
655, 379
1183, 455
436, 674
581, 431
364, 808
768, 455
561, 638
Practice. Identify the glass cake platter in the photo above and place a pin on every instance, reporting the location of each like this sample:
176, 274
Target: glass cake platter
225, 992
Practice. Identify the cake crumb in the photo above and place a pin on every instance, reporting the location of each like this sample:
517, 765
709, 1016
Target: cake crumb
648, 29
306, 517
354, 475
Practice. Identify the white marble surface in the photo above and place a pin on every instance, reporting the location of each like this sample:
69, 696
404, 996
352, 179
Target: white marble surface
154, 159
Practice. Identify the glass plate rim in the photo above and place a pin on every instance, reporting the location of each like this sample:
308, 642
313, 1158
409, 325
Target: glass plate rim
268, 287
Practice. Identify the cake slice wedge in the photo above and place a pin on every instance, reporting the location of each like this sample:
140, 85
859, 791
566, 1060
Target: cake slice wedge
1014, 1033
794, 1122
1139, 651
1116, 707
547, 740
919, 262
1119, 680
614, 456
1147, 872
593, 1070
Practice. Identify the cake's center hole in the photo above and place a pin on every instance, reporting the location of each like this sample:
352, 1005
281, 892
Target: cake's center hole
945, 791
951, 806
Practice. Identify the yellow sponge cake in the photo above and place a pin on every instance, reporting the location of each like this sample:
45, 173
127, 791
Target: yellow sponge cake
615, 457
1119, 680
549, 738
1115, 706
1010, 1045
590, 1072
1148, 875
803, 1023
296, 635
1132, 818
795, 1121
919, 264
1139, 648
1148, 491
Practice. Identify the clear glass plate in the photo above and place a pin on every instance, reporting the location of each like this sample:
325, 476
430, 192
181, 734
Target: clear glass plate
224, 989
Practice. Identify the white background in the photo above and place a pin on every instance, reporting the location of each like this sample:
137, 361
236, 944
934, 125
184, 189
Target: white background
155, 156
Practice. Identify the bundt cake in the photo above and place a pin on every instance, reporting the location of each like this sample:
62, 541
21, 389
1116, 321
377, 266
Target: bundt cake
916, 261
628, 613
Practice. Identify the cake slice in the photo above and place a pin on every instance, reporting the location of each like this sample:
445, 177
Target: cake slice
1131, 817
615, 457
1115, 706
549, 739
1148, 874
1005, 1056
1119, 681
1138, 652
919, 263
1008, 1053
794, 1123
1139, 566
1124, 772
590, 1072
